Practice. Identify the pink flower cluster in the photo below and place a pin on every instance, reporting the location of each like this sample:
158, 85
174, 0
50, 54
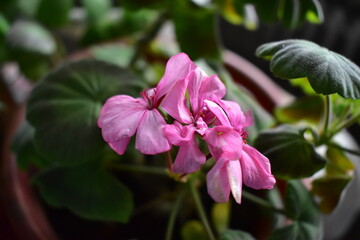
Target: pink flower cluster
194, 101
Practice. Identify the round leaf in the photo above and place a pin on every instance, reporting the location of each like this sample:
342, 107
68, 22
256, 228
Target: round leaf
64, 108
305, 215
87, 190
23, 145
290, 154
327, 71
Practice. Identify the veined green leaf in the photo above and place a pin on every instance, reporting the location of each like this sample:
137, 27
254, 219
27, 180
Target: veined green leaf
290, 154
65, 105
327, 71
88, 190
304, 214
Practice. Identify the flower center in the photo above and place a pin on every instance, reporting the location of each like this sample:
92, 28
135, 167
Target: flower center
148, 95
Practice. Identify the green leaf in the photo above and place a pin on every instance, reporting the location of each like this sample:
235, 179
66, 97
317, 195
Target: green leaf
338, 173
30, 37
64, 107
23, 145
96, 10
304, 85
4, 26
291, 13
290, 154
235, 235
54, 13
309, 109
195, 30
312, 11
193, 230
344, 109
31, 46
327, 71
87, 190
116, 54
306, 218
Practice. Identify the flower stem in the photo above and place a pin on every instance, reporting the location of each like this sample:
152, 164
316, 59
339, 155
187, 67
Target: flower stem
169, 161
200, 208
174, 213
140, 168
261, 202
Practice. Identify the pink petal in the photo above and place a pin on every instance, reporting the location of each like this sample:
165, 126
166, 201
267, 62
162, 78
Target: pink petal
174, 102
224, 142
201, 126
120, 146
249, 120
201, 87
189, 158
212, 89
196, 78
149, 137
120, 116
256, 169
235, 179
177, 68
178, 134
218, 112
234, 113
218, 182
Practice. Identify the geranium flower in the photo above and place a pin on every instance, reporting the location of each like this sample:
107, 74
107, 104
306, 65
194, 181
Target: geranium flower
122, 116
195, 114
237, 163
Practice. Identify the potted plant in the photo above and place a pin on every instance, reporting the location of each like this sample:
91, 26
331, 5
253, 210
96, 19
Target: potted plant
128, 133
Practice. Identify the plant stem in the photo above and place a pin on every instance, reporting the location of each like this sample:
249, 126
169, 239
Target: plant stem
200, 208
347, 123
327, 116
140, 168
148, 36
255, 199
174, 213
168, 160
354, 152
